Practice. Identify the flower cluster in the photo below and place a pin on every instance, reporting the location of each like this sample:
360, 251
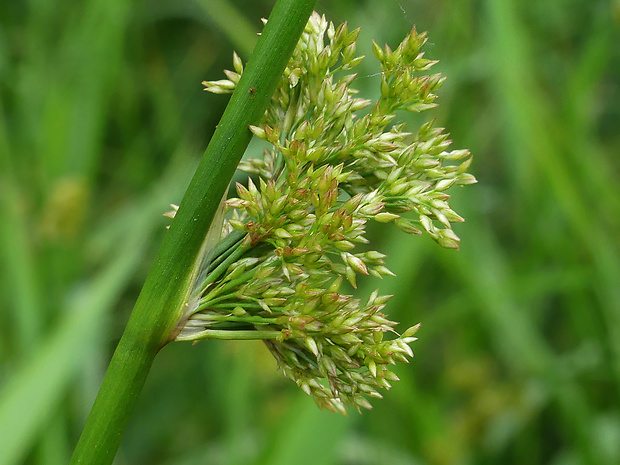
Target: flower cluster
297, 233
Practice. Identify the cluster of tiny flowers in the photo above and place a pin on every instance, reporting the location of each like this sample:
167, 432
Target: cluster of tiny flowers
293, 236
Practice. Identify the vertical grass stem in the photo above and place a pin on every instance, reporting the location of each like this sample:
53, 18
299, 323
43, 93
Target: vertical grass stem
159, 306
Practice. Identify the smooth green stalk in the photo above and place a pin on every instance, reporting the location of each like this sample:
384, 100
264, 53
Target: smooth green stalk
224, 248
257, 320
160, 304
232, 335
217, 292
217, 272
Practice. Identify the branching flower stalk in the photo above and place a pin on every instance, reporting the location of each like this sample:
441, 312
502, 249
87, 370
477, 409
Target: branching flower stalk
297, 232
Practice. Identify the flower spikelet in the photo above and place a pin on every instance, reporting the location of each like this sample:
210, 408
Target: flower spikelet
295, 235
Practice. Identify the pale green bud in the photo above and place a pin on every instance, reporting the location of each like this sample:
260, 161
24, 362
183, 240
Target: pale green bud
385, 217
237, 63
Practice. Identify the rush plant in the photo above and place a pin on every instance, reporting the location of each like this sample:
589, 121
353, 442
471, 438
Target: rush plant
279, 261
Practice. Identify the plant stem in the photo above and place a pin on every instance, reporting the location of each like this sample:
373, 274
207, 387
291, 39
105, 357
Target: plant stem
219, 270
258, 320
217, 292
160, 304
223, 250
233, 335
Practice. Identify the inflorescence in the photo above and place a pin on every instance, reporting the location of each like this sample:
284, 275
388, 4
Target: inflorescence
292, 235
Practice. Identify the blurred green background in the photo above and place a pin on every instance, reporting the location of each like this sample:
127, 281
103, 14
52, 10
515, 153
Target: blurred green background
102, 120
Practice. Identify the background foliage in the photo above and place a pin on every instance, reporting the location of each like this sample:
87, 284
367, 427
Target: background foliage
102, 120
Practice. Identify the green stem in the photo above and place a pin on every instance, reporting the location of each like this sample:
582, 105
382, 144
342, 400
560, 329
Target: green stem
228, 241
221, 298
219, 257
219, 270
215, 293
258, 320
161, 302
234, 305
232, 335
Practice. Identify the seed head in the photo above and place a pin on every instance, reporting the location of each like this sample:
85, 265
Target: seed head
294, 232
